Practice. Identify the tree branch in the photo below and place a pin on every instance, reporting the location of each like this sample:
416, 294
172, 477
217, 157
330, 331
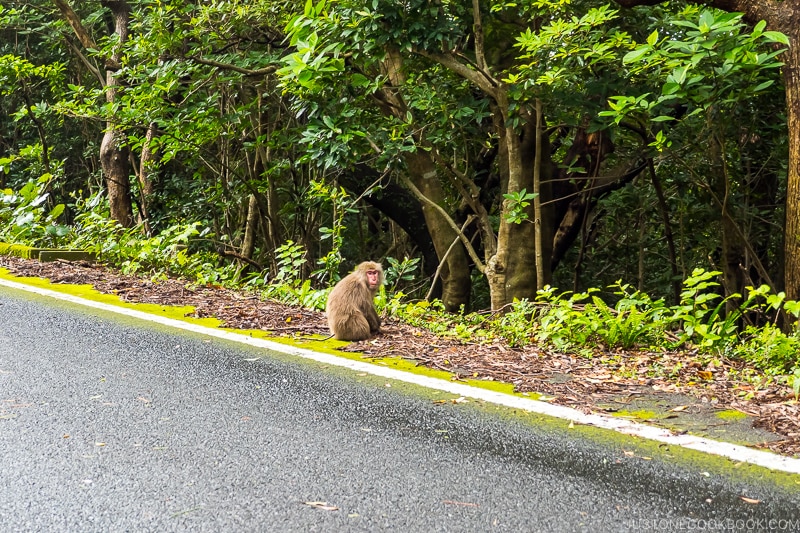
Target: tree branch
479, 77
227, 66
477, 30
74, 20
468, 245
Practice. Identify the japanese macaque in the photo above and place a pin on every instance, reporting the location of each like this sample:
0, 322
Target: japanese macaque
351, 307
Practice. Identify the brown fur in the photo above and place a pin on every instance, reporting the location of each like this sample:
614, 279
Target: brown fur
351, 306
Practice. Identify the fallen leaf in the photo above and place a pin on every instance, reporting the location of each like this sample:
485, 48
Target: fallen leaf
322, 506
465, 504
706, 375
749, 500
679, 408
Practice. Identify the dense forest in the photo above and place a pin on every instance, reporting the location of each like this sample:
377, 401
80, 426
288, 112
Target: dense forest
483, 150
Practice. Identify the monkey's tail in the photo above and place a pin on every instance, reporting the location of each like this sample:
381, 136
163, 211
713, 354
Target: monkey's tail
307, 338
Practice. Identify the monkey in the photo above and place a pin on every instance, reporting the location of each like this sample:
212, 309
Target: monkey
351, 306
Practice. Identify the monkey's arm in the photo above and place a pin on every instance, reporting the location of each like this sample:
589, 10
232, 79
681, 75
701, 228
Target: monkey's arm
372, 317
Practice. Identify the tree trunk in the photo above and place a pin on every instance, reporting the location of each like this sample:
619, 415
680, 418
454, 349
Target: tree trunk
250, 228
114, 151
791, 74
511, 272
542, 266
146, 165
663, 208
454, 274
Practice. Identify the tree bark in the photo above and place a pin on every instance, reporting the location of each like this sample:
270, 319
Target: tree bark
791, 73
250, 228
146, 165
454, 274
400, 206
511, 273
114, 150
537, 202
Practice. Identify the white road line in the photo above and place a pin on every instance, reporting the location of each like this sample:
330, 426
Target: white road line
734, 452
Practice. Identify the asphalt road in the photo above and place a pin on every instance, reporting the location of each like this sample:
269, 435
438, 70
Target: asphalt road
111, 424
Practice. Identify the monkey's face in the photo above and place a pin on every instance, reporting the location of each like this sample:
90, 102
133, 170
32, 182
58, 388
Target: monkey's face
373, 277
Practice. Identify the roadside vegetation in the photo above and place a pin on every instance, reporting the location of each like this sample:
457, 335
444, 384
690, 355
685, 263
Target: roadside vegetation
586, 176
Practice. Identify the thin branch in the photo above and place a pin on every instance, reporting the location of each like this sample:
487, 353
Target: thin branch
479, 77
762, 271
75, 22
468, 245
442, 261
85, 60
227, 66
477, 30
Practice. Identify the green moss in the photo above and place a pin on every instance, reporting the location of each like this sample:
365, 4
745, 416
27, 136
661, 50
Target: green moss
317, 343
45, 254
88, 292
641, 414
731, 414
16, 250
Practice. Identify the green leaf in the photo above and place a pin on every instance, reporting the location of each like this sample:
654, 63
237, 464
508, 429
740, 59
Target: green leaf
670, 88
776, 37
359, 80
706, 21
762, 86
56, 211
637, 54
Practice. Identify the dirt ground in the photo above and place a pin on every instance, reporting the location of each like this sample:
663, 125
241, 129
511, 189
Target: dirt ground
606, 382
